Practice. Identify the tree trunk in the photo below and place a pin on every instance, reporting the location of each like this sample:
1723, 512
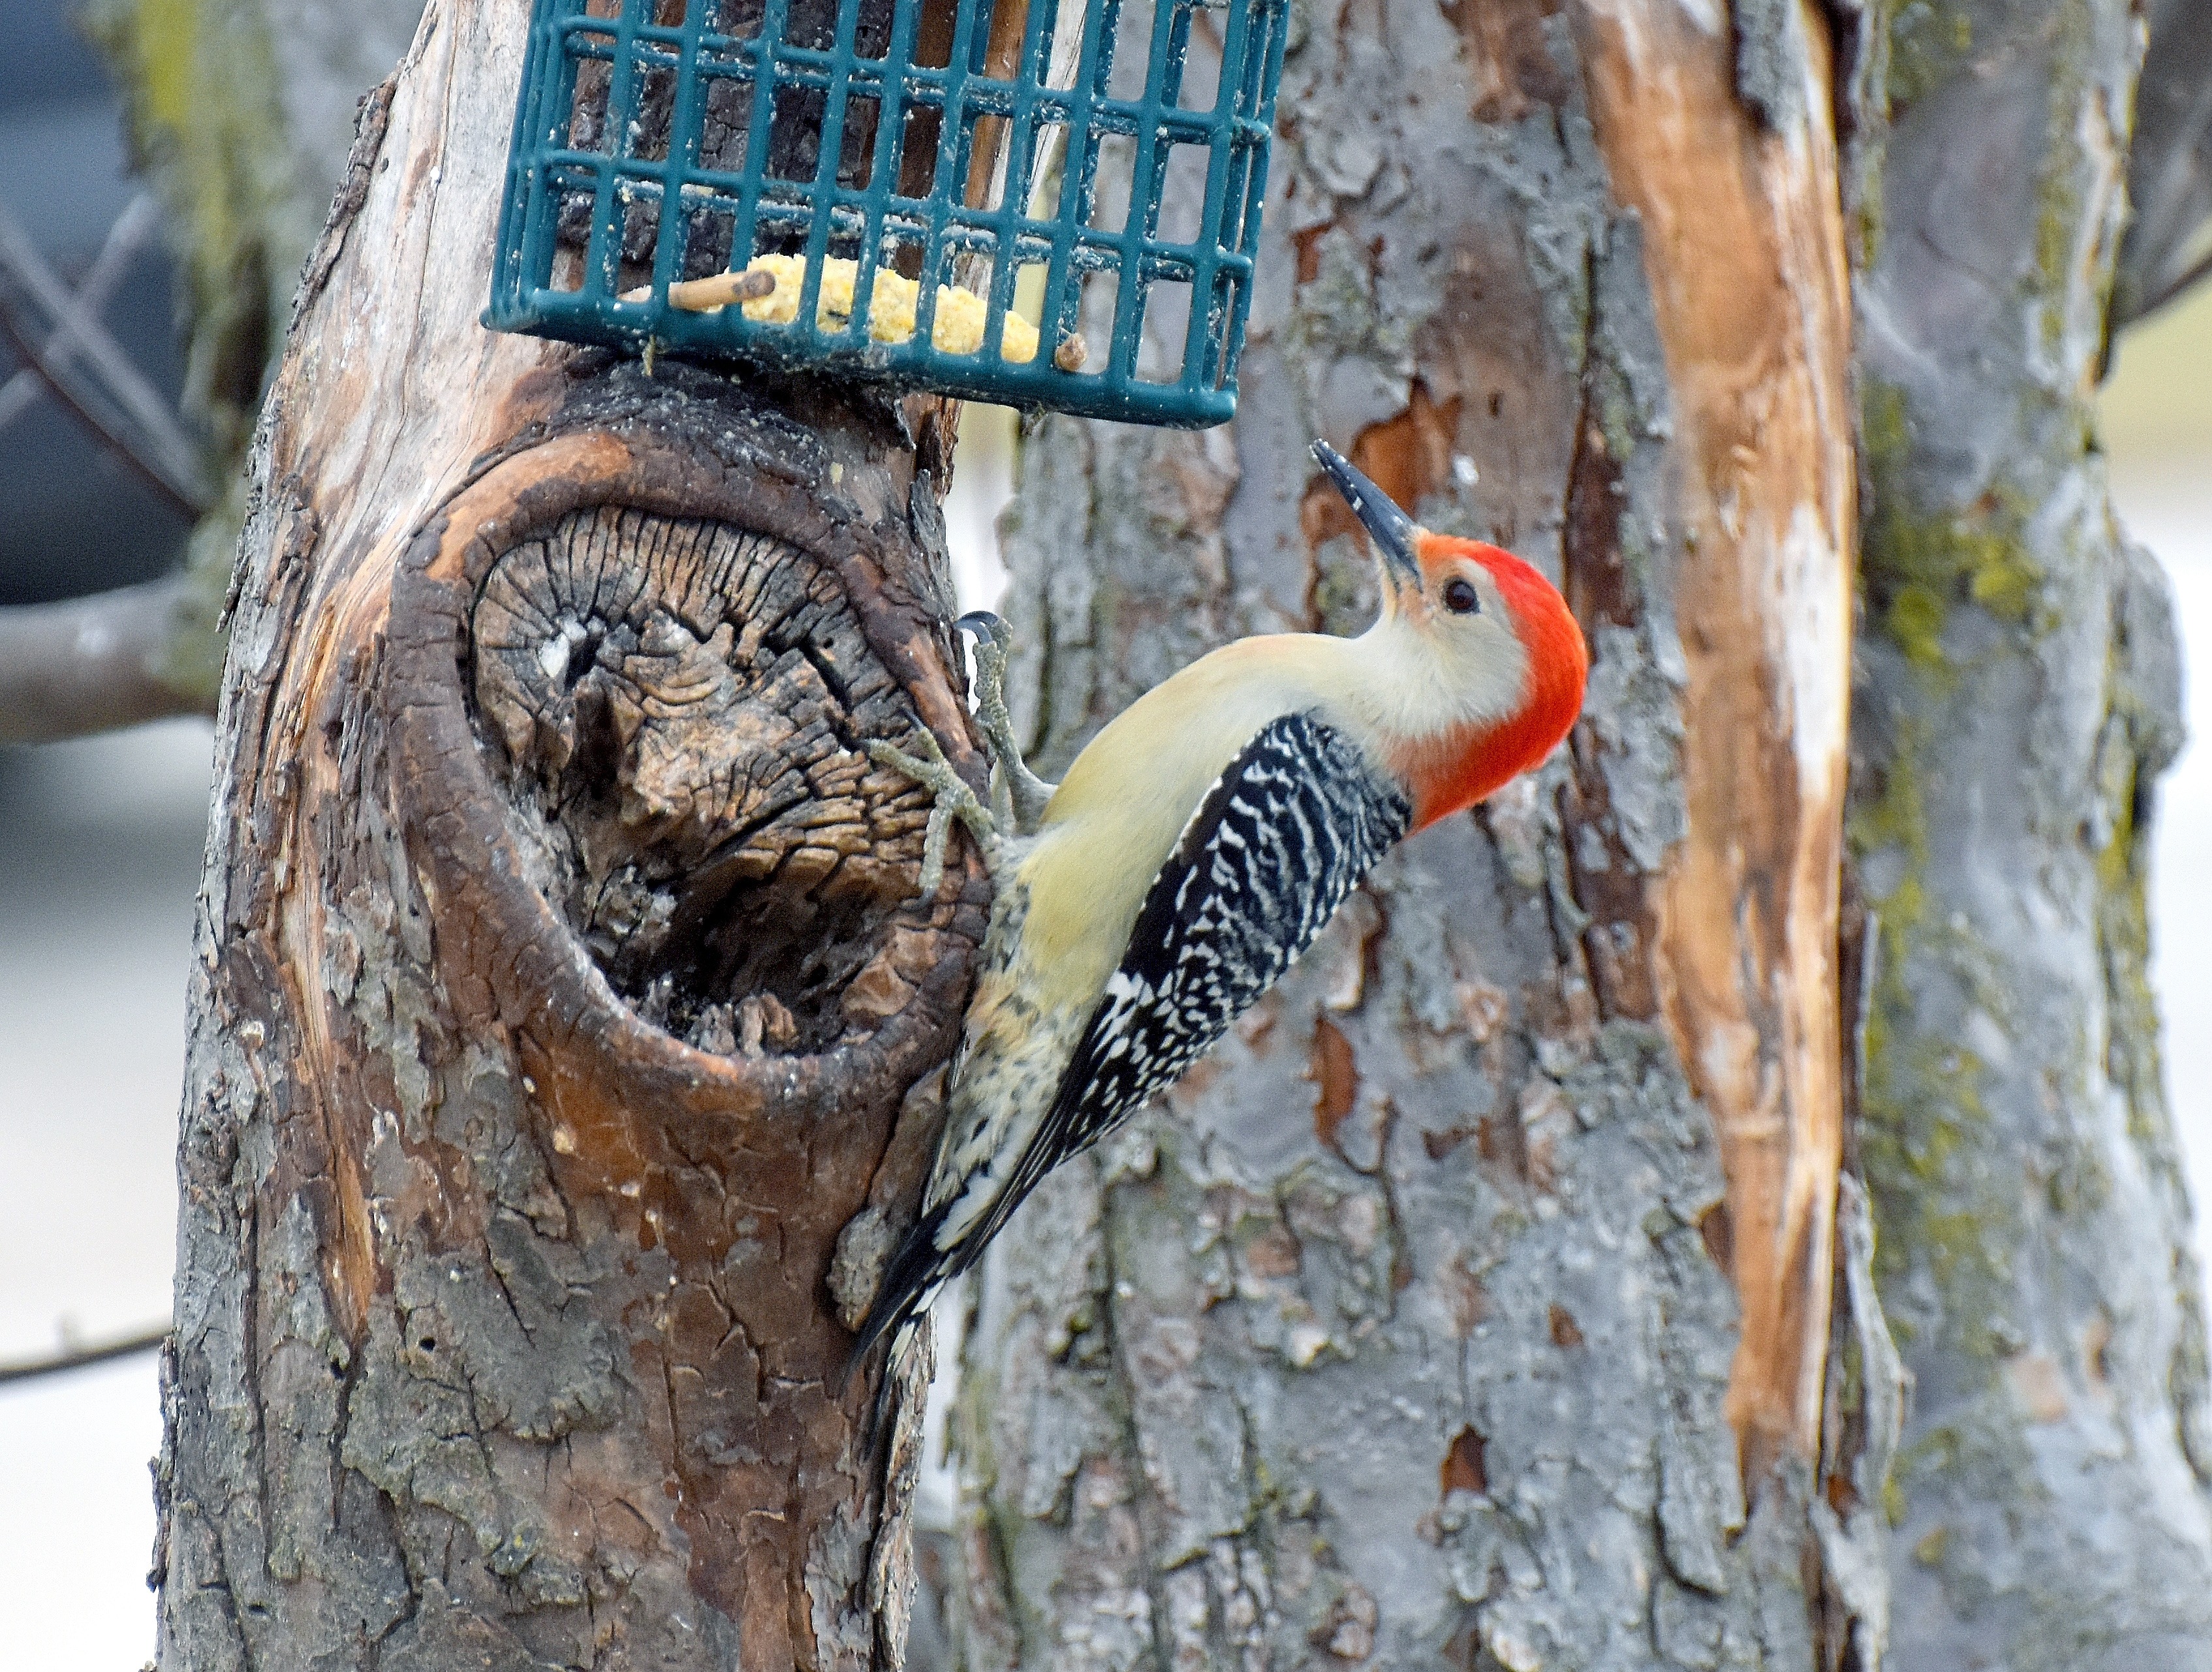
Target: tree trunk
561, 978
1404, 1334
1200, 1432
2019, 695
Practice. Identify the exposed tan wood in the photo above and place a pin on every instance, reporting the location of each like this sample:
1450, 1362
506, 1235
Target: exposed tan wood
1743, 249
1002, 53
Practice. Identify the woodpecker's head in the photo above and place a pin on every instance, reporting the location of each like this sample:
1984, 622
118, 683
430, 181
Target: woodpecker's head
1482, 664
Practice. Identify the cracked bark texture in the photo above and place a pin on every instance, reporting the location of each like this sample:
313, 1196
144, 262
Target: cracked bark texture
2018, 689
1472, 1305
561, 978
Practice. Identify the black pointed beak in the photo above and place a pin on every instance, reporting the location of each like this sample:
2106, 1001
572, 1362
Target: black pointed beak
1392, 531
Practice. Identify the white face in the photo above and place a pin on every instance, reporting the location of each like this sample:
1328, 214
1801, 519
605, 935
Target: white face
1449, 648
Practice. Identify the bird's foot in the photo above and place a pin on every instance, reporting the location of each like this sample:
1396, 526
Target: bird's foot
954, 799
1022, 793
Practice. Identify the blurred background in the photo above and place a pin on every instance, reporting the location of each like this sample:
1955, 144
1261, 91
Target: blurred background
72, 518
100, 846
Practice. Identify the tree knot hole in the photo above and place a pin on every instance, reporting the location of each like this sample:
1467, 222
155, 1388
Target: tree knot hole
678, 710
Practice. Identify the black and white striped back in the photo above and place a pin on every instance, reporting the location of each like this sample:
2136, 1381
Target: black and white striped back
1282, 837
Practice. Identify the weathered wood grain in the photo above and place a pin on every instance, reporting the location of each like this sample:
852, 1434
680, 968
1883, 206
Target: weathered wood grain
1743, 248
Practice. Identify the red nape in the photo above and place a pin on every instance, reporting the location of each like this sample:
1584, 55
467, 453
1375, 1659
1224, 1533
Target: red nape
1460, 768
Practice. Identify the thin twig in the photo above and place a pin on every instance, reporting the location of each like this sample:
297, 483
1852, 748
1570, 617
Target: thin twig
90, 664
69, 324
2194, 273
106, 390
125, 238
77, 1358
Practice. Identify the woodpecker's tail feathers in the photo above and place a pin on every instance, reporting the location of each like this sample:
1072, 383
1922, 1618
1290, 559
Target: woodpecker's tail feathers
877, 1429
897, 1313
911, 1281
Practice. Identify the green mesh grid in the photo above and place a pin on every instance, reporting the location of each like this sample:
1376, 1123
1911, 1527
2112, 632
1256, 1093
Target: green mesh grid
1118, 212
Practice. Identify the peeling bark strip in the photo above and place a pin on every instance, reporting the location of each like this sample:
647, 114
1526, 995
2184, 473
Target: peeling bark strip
561, 980
1751, 299
1404, 1335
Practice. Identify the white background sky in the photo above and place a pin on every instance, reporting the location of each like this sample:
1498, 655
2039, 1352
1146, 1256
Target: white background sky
100, 847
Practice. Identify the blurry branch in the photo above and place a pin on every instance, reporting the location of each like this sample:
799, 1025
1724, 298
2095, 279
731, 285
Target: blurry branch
69, 348
93, 664
118, 658
77, 1358
2168, 246
124, 239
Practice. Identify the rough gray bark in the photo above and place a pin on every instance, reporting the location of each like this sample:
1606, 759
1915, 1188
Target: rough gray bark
1403, 1335
2018, 696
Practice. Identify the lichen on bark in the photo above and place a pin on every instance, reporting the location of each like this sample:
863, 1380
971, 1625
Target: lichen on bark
2018, 680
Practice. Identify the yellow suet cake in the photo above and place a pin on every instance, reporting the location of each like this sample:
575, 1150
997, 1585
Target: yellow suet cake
894, 300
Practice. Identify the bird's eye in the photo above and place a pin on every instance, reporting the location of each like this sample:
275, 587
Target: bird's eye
1460, 598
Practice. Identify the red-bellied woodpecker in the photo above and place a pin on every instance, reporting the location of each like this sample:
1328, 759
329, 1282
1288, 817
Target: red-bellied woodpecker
1201, 841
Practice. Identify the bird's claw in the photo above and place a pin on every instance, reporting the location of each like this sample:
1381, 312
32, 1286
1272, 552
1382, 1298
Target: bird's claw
952, 800
1019, 795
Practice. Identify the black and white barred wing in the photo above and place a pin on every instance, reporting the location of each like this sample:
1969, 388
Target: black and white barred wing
1285, 833
1281, 839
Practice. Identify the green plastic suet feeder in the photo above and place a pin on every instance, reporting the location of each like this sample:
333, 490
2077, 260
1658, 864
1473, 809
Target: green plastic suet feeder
845, 186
